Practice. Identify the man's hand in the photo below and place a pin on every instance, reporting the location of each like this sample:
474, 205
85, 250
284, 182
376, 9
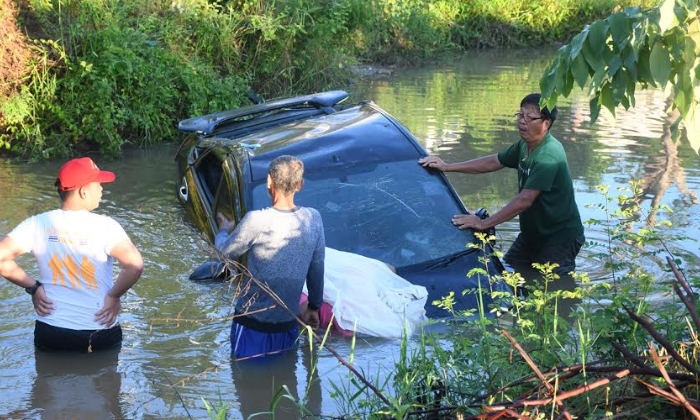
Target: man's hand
433, 162
310, 317
42, 305
108, 314
464, 221
224, 222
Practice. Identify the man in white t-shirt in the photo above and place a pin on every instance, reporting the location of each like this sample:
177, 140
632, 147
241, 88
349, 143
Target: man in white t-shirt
76, 299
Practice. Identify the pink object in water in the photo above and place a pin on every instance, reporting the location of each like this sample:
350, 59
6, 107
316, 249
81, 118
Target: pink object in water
325, 314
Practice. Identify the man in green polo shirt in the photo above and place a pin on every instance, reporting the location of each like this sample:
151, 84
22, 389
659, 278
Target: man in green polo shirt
550, 224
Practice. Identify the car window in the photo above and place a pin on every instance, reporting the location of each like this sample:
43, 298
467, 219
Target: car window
208, 170
227, 200
224, 203
396, 212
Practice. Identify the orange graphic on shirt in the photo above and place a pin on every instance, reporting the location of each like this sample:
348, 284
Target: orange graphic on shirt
72, 273
87, 271
56, 266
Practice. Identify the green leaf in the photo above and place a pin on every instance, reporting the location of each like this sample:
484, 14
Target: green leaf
597, 79
683, 92
607, 99
548, 80
614, 65
597, 35
595, 108
577, 44
631, 87
692, 126
593, 59
619, 25
568, 84
675, 43
660, 64
561, 76
630, 59
619, 88
667, 17
639, 31
694, 34
644, 67
689, 54
579, 68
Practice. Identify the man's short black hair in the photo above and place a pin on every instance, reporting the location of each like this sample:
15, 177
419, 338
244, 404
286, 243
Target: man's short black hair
534, 99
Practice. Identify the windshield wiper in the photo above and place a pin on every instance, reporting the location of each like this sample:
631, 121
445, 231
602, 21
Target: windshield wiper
450, 258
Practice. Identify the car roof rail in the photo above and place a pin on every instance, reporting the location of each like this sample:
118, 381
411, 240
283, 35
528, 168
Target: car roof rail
206, 124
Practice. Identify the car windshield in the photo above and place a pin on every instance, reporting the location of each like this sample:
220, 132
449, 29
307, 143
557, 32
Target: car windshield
395, 212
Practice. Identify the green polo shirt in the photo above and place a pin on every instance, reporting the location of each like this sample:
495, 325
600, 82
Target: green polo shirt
553, 218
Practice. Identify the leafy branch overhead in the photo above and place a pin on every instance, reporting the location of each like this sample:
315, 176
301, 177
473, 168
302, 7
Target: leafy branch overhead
658, 48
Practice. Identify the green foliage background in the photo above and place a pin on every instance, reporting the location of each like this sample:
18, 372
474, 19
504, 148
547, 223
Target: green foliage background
108, 73
657, 49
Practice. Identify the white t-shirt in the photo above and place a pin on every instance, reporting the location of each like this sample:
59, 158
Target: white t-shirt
72, 250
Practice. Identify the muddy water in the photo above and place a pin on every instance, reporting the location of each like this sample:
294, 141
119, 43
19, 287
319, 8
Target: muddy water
176, 347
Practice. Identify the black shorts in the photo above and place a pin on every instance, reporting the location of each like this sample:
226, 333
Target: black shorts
50, 338
520, 257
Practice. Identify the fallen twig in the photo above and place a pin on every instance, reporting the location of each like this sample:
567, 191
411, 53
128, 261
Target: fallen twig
539, 374
681, 279
178, 395
678, 394
664, 343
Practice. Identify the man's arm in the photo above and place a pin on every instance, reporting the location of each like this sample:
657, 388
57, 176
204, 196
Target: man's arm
131, 263
474, 166
239, 241
517, 205
314, 278
9, 250
314, 283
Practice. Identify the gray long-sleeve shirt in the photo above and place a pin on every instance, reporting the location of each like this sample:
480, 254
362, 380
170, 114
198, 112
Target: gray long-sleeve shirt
285, 249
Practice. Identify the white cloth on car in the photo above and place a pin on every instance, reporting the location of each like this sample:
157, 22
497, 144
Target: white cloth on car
369, 298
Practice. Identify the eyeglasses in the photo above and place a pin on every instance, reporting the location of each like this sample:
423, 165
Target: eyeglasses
527, 118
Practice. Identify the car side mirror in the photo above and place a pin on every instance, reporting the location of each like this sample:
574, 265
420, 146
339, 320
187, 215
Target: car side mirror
210, 270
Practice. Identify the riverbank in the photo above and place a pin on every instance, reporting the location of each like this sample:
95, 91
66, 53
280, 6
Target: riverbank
105, 75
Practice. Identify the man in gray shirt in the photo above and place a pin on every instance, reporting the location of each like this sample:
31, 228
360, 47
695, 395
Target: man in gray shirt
286, 247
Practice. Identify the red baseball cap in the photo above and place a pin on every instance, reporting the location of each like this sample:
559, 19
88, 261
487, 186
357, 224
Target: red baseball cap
79, 172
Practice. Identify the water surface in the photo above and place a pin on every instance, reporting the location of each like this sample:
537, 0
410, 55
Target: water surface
176, 344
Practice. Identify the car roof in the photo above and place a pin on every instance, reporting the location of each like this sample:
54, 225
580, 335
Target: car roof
361, 134
208, 124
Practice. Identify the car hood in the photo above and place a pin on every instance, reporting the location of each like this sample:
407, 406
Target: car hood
453, 277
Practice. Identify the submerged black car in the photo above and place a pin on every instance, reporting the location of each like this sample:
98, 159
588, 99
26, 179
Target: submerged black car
361, 174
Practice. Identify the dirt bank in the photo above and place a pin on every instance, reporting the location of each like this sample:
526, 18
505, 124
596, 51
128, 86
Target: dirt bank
14, 50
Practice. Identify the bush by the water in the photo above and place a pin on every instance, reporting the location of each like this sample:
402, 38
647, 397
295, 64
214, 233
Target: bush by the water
105, 73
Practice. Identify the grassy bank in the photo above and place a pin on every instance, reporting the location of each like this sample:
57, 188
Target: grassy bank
103, 74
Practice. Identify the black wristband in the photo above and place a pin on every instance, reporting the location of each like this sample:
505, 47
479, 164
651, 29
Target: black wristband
32, 289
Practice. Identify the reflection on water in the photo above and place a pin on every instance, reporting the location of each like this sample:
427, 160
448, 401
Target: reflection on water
276, 380
77, 386
176, 343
